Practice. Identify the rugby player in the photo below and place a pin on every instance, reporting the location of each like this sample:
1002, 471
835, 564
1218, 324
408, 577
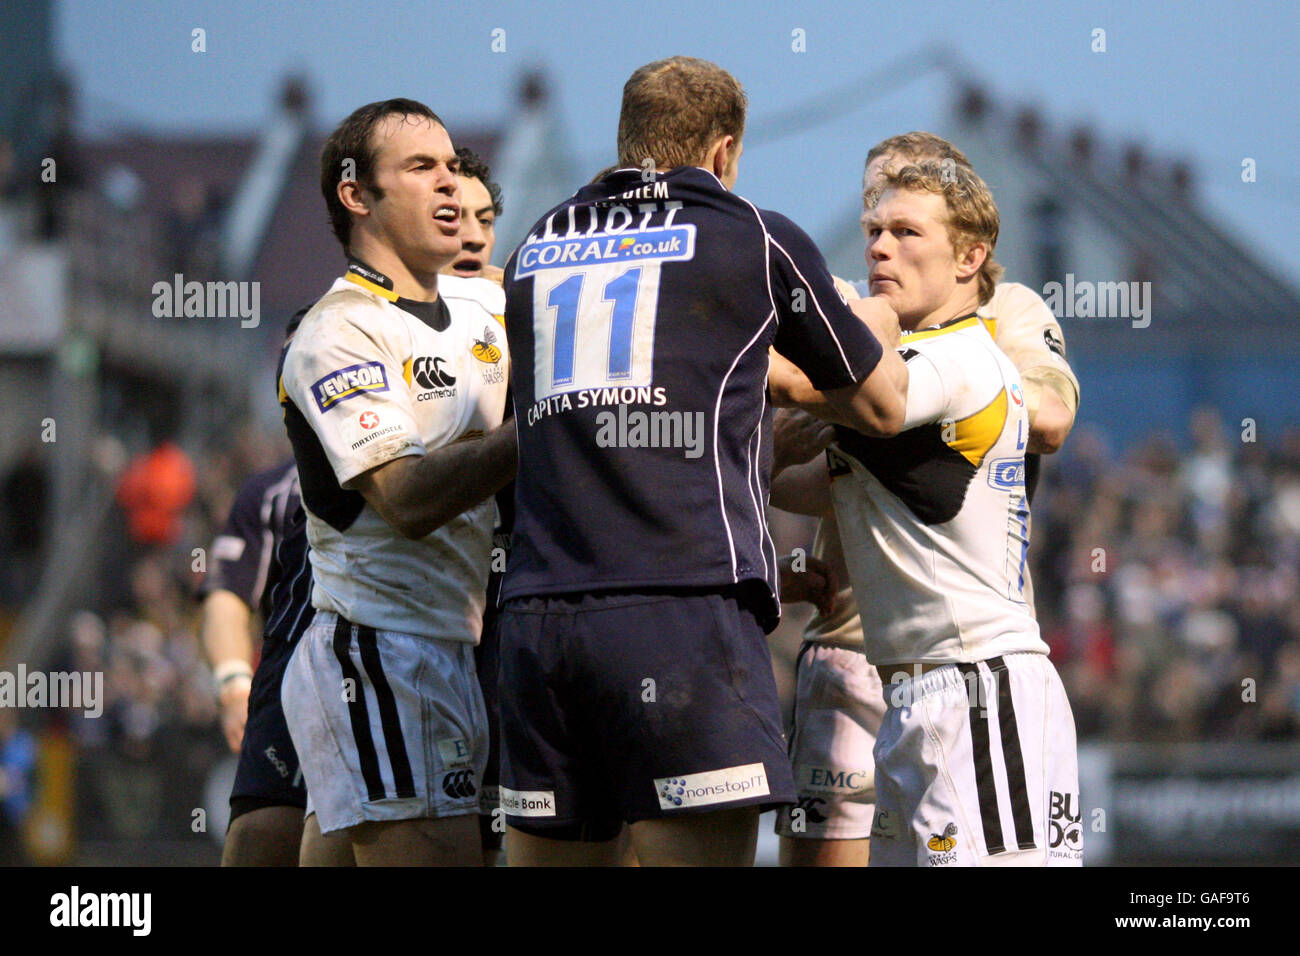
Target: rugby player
637, 684
480, 207
934, 528
839, 701
394, 390
258, 563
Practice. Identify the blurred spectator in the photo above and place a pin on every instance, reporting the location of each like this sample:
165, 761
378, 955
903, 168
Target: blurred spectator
155, 491
1167, 584
17, 765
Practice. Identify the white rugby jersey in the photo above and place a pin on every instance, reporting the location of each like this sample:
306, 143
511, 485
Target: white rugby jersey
933, 521
1026, 330
370, 377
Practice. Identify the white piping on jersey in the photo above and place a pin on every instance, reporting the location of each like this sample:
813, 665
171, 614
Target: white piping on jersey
767, 252
303, 568
279, 490
757, 441
812, 295
717, 463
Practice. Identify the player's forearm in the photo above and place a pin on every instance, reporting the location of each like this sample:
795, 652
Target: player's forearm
225, 629
876, 406
803, 489
1049, 398
417, 496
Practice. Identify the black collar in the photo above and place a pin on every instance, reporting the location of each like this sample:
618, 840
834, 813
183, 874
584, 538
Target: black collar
434, 314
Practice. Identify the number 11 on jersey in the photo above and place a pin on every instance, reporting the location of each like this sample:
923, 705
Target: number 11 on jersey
594, 327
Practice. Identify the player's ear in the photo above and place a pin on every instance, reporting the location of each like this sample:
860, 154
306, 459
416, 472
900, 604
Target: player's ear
353, 197
972, 259
722, 156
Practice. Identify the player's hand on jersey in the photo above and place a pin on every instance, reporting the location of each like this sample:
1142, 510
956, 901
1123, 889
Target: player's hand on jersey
798, 437
880, 317
814, 582
234, 711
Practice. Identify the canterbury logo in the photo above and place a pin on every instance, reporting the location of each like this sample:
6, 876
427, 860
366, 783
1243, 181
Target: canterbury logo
811, 807
426, 372
459, 783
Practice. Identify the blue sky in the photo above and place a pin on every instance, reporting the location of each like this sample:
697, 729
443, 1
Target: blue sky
1208, 82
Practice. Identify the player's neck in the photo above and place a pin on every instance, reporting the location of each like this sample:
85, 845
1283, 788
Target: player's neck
406, 282
960, 304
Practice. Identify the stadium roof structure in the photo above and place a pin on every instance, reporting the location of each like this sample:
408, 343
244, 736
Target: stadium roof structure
1079, 208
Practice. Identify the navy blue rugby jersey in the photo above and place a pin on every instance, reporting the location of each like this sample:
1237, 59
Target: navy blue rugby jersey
260, 555
639, 316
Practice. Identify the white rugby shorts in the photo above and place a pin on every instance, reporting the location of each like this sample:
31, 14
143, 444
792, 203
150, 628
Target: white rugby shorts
837, 712
388, 726
976, 765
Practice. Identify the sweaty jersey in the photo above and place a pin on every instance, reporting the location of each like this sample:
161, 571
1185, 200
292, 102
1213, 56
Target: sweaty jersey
370, 377
934, 521
640, 315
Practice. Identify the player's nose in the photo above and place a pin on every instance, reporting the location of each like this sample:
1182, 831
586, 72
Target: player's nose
471, 233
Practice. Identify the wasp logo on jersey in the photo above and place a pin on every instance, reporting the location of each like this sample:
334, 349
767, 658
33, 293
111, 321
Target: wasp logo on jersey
338, 386
484, 350
943, 846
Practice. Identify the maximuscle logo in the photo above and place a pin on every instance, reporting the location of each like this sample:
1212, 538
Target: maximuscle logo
713, 786
670, 243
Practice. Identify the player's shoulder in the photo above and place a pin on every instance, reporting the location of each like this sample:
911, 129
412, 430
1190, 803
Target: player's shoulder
476, 297
346, 316
253, 490
1015, 306
781, 227
961, 350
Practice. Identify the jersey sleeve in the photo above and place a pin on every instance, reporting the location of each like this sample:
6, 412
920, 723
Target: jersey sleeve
347, 377
816, 328
235, 559
1027, 331
928, 398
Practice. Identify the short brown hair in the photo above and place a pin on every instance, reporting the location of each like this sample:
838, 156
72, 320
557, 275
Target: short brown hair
972, 213
674, 109
352, 140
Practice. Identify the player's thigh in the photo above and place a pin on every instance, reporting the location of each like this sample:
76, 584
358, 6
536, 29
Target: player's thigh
811, 851
524, 848
838, 708
450, 841
318, 849
267, 836
719, 838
